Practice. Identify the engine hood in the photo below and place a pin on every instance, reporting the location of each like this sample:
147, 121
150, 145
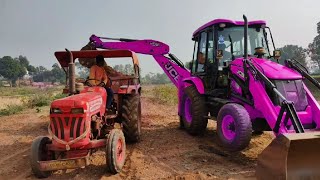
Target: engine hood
88, 101
271, 69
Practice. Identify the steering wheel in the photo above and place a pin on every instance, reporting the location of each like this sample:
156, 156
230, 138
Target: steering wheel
89, 84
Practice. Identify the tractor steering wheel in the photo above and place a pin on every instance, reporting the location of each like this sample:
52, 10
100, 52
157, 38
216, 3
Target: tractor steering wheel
89, 84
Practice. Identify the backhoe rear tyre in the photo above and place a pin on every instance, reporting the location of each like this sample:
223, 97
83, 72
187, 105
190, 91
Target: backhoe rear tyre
39, 152
234, 127
181, 123
115, 151
131, 117
194, 111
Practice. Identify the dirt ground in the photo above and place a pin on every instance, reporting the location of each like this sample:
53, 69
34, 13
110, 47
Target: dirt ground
165, 151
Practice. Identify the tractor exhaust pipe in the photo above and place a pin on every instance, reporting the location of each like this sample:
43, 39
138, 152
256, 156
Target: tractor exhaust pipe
245, 68
72, 72
245, 37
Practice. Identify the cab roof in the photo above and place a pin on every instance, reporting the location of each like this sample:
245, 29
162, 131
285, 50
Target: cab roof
227, 21
63, 56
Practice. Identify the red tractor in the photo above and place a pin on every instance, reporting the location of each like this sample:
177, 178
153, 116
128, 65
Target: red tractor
79, 124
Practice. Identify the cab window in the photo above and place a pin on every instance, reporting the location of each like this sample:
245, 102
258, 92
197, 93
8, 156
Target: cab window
202, 52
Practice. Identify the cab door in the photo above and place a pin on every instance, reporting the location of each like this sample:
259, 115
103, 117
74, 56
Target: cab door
203, 57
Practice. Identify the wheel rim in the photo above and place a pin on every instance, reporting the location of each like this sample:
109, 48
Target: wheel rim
187, 112
228, 127
120, 152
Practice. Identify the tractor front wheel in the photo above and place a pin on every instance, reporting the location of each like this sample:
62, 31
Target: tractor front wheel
234, 127
39, 152
194, 111
131, 117
115, 151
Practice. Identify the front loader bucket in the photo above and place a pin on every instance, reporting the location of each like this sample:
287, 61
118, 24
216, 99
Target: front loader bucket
291, 156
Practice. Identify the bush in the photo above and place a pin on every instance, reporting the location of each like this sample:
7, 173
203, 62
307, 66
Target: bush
38, 100
11, 109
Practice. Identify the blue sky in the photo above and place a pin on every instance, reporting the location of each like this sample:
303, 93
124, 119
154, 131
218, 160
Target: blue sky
37, 28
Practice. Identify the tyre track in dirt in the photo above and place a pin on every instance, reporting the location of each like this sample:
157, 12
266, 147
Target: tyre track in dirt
165, 151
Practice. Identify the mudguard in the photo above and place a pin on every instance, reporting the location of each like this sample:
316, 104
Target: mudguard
194, 81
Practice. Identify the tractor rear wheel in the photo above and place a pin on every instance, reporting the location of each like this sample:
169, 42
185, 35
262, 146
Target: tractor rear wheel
194, 111
39, 152
131, 117
115, 151
234, 127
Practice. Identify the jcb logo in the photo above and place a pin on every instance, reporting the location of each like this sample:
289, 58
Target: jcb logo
173, 73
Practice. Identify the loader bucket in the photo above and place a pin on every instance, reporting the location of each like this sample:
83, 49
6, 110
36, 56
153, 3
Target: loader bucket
291, 156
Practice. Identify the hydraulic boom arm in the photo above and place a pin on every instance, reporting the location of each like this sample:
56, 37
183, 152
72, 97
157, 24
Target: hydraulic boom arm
171, 65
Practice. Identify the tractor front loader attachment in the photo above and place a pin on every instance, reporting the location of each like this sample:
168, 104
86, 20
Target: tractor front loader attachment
291, 156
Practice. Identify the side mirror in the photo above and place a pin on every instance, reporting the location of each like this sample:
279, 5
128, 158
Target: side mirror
219, 54
277, 54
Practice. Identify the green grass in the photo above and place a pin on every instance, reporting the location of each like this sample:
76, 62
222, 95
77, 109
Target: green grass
26, 90
59, 96
31, 98
17, 91
11, 109
163, 94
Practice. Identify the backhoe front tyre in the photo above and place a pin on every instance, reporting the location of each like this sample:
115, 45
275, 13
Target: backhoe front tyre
131, 118
39, 152
194, 111
234, 127
115, 151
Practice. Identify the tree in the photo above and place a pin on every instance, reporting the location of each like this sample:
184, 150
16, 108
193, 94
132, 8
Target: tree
11, 69
57, 73
23, 61
188, 64
294, 52
31, 69
119, 68
128, 69
83, 72
152, 78
314, 49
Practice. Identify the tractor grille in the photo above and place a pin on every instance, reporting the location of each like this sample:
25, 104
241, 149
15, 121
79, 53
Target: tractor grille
67, 128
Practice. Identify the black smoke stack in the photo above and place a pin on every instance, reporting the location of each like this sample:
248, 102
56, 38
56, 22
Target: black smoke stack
245, 37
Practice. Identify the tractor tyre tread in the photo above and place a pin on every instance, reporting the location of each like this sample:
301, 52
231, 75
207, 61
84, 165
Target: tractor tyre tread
36, 148
131, 118
111, 145
198, 110
242, 123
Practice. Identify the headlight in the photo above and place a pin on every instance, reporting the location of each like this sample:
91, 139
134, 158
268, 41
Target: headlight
77, 111
55, 111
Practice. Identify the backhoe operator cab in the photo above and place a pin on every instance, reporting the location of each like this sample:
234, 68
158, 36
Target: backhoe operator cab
219, 42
